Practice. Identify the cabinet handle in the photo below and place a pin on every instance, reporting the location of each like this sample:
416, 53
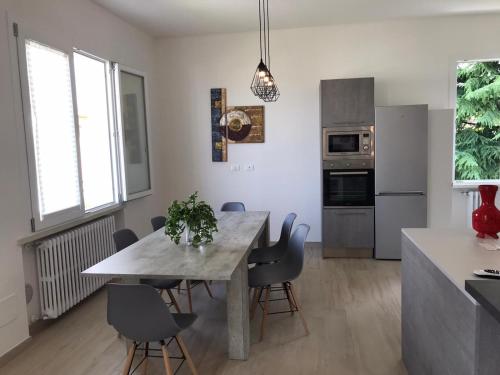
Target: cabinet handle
347, 173
350, 213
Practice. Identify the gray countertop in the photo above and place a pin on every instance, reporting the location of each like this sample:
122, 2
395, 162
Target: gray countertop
456, 253
156, 256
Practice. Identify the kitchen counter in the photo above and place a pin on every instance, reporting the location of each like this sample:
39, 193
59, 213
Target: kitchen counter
444, 329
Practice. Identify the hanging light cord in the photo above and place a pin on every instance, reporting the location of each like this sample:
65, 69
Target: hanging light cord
265, 40
268, 43
260, 32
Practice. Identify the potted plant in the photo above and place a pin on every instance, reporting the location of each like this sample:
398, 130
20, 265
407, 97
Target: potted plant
194, 218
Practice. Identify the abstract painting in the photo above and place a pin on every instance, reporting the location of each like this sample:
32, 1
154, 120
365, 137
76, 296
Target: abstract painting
235, 124
219, 139
243, 124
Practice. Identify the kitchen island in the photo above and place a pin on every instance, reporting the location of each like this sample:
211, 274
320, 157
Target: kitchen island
444, 329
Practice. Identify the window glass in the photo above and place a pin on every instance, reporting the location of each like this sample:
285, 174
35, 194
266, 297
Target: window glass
477, 124
134, 128
53, 128
96, 151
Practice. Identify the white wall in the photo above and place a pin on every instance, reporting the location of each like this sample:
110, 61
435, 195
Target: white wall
412, 62
91, 28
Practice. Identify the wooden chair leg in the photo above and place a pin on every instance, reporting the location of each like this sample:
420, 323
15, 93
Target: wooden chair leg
186, 354
190, 301
208, 289
130, 358
145, 366
173, 300
264, 314
257, 292
289, 298
166, 360
296, 303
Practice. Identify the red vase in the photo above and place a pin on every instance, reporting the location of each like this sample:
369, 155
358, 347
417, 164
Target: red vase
486, 219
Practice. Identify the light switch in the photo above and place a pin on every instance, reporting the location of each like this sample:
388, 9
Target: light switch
235, 167
249, 167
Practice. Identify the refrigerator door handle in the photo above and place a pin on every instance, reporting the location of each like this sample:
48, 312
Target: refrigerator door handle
398, 193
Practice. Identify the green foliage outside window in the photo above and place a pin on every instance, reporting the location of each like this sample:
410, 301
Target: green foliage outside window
477, 141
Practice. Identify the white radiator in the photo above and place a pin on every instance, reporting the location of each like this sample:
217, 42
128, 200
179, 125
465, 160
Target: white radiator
61, 258
473, 202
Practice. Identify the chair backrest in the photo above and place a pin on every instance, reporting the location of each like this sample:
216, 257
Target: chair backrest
293, 260
286, 230
139, 313
158, 222
124, 238
233, 206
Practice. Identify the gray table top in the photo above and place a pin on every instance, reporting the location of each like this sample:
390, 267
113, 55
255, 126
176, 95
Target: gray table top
156, 256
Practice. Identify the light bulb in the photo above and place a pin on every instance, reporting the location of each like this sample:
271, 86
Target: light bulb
266, 79
262, 73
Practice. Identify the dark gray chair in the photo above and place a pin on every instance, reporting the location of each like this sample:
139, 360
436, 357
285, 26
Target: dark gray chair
158, 222
138, 313
126, 237
276, 252
233, 206
262, 277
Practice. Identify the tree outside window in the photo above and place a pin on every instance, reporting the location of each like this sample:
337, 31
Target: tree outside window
477, 126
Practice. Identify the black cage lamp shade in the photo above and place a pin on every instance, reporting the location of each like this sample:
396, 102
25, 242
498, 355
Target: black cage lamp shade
263, 83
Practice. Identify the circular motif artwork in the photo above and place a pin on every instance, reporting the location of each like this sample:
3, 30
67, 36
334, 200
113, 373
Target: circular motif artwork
237, 124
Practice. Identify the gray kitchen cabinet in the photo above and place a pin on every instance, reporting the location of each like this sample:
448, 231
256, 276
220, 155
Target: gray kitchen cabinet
347, 102
348, 232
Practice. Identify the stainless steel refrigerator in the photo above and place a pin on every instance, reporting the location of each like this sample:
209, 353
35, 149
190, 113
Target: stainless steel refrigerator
400, 175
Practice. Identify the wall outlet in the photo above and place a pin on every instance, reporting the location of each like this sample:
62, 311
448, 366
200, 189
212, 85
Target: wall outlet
235, 167
250, 167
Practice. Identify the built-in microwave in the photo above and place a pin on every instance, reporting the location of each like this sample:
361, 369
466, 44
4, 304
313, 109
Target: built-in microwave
348, 142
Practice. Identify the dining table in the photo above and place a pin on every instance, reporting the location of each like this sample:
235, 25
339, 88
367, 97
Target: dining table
156, 256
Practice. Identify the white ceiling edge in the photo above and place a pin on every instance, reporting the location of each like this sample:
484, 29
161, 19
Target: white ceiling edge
177, 18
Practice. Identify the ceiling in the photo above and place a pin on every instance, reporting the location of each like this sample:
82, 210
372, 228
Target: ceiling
162, 18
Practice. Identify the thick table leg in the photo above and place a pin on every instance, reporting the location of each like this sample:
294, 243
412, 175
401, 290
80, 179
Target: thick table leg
238, 322
264, 239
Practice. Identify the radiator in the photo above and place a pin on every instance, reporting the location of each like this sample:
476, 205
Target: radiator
473, 202
61, 258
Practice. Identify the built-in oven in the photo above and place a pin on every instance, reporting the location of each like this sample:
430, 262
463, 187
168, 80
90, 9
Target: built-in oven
348, 187
348, 142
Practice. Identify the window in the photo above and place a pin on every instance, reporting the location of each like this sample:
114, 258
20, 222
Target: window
55, 158
135, 137
477, 123
86, 131
96, 131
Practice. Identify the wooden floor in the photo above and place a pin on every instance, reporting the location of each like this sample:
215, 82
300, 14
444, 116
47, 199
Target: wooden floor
352, 307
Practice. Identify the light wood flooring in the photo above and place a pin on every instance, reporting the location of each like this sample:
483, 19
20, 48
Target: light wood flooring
352, 307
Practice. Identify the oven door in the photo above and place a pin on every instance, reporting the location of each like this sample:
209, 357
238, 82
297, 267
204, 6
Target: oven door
353, 187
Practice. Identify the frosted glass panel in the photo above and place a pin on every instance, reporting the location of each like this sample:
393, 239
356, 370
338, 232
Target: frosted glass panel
135, 138
94, 126
53, 127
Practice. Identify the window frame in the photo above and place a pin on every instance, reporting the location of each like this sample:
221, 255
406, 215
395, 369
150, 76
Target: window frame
22, 103
72, 213
118, 68
463, 184
112, 124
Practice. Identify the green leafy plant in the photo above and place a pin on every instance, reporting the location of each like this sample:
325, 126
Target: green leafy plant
196, 216
477, 145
